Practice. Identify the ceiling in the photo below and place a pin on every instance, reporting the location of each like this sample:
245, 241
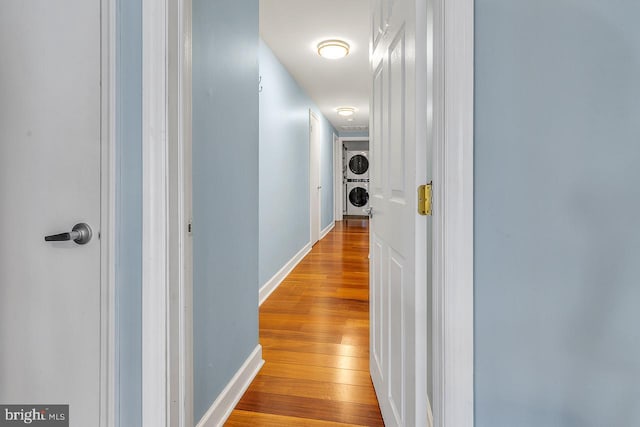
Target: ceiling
293, 28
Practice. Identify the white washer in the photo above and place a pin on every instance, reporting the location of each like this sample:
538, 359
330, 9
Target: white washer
357, 165
357, 198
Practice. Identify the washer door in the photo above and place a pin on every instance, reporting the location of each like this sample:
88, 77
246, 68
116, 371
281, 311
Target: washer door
359, 197
359, 164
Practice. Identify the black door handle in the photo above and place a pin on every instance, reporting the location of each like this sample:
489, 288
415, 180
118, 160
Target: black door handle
81, 234
58, 237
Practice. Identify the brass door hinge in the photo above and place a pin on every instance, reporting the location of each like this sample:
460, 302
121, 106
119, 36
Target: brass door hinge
425, 199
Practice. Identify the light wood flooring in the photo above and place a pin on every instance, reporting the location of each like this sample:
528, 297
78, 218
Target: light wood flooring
314, 330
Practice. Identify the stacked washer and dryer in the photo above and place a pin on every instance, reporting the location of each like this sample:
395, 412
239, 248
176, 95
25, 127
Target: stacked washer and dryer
357, 182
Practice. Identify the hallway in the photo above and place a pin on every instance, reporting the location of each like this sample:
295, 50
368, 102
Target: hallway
314, 330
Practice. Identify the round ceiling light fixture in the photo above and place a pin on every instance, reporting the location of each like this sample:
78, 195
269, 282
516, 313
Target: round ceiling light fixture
346, 111
333, 49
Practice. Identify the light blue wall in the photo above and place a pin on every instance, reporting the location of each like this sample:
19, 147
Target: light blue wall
355, 145
284, 166
557, 242
128, 220
225, 191
362, 134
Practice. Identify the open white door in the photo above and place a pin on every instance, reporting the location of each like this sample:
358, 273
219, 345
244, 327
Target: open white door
398, 282
50, 180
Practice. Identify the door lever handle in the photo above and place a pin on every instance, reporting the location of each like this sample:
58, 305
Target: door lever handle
81, 234
369, 211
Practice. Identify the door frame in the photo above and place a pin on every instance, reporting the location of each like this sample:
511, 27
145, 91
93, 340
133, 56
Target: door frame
167, 371
155, 221
108, 197
180, 323
338, 185
452, 34
314, 157
452, 222
338, 173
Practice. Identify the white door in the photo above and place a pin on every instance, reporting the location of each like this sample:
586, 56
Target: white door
398, 282
314, 176
50, 335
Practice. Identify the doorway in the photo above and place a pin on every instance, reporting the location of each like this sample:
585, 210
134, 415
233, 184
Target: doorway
354, 173
281, 219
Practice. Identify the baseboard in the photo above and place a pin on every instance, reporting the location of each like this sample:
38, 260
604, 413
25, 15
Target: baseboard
230, 396
327, 230
273, 283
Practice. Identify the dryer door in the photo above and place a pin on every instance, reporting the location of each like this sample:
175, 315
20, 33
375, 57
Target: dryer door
359, 197
358, 164
358, 200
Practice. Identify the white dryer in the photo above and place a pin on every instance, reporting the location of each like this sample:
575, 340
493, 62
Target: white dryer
357, 197
357, 165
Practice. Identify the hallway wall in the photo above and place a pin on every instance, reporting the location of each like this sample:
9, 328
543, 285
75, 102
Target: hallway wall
354, 134
225, 191
284, 166
557, 151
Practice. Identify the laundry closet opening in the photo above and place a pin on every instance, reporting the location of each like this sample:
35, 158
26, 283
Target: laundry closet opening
355, 178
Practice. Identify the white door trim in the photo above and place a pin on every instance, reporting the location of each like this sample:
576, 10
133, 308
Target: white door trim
313, 191
155, 218
108, 215
167, 369
339, 175
180, 370
453, 56
337, 179
186, 258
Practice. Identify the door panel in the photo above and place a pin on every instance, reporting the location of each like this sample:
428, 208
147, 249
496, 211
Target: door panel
397, 337
378, 315
376, 21
376, 143
397, 117
49, 181
398, 303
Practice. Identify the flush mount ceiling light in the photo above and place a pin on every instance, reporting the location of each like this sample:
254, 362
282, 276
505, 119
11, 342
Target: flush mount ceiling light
346, 111
333, 49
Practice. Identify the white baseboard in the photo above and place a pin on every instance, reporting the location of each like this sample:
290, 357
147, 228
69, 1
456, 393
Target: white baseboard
273, 283
230, 396
327, 230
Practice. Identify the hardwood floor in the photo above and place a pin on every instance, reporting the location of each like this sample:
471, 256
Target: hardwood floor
314, 330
